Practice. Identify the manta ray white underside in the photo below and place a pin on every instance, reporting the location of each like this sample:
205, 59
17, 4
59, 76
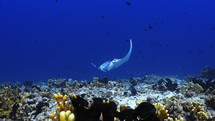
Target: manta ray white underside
115, 63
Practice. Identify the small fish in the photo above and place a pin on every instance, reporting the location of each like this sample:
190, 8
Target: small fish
103, 16
128, 3
150, 27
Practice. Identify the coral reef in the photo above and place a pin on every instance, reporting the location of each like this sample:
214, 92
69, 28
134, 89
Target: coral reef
191, 89
197, 112
148, 98
210, 100
57, 82
165, 84
206, 79
64, 110
174, 106
83, 110
161, 111
171, 119
8, 98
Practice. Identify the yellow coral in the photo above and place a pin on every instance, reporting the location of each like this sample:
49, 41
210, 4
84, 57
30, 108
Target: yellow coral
195, 87
161, 111
27, 94
64, 111
123, 107
72, 96
171, 119
201, 116
183, 89
196, 107
139, 101
71, 117
8, 97
198, 112
191, 87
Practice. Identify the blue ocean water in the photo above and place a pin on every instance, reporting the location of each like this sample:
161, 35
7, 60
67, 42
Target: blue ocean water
42, 39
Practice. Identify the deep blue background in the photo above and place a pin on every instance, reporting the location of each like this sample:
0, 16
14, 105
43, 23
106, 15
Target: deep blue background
42, 39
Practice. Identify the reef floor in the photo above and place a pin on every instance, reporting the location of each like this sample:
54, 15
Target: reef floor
169, 99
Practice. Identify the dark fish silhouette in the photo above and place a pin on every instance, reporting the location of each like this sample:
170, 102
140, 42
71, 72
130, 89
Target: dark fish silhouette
128, 3
150, 27
103, 16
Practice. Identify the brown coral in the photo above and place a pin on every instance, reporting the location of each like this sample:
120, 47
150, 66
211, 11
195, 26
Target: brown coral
210, 100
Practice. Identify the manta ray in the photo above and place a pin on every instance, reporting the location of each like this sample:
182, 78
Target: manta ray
115, 63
